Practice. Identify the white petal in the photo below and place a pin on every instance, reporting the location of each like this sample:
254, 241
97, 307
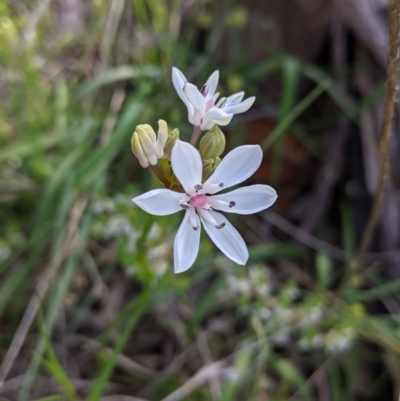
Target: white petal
239, 108
212, 83
206, 125
179, 81
216, 116
227, 238
246, 200
235, 167
236, 98
186, 165
159, 202
186, 245
197, 100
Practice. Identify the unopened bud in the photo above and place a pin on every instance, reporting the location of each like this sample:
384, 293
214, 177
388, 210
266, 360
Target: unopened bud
147, 138
146, 146
209, 167
173, 135
162, 138
137, 150
212, 144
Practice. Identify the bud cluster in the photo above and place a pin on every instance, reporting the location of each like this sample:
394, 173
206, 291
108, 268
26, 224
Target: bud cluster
149, 148
146, 146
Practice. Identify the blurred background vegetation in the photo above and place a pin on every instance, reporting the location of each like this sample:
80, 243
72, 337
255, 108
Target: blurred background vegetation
90, 308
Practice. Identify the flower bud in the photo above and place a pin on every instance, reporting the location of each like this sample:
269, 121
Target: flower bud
137, 150
162, 138
173, 135
209, 167
212, 144
147, 138
146, 146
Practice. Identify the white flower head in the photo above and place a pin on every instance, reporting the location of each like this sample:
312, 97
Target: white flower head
200, 200
203, 109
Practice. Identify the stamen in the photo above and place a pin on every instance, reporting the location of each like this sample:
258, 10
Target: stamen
219, 226
232, 203
204, 90
221, 184
194, 218
221, 102
197, 187
184, 205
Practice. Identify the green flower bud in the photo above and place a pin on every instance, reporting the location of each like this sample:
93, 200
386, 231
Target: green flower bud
173, 135
146, 146
137, 150
147, 138
209, 167
212, 144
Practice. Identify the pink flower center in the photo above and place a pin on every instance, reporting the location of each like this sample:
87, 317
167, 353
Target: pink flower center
198, 200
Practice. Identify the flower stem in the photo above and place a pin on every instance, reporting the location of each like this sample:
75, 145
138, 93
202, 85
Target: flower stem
195, 135
386, 130
157, 171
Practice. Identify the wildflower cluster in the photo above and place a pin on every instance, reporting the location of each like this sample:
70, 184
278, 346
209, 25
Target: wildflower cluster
194, 178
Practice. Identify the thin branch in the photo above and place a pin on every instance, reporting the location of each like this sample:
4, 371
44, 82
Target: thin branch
391, 80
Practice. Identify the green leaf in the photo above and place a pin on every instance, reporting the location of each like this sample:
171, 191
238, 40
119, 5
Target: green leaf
107, 368
53, 365
324, 269
120, 73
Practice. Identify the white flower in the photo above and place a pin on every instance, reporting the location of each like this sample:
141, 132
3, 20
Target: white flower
203, 111
199, 201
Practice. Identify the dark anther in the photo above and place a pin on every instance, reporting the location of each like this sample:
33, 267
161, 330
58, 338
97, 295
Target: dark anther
184, 205
221, 185
204, 90
220, 225
195, 228
197, 187
232, 203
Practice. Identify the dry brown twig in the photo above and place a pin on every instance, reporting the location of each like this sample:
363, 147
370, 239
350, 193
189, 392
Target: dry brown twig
391, 80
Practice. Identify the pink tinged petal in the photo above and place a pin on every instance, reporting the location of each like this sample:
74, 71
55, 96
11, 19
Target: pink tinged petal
159, 202
179, 81
216, 116
246, 200
212, 83
187, 242
236, 98
186, 165
226, 238
235, 167
241, 107
197, 100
